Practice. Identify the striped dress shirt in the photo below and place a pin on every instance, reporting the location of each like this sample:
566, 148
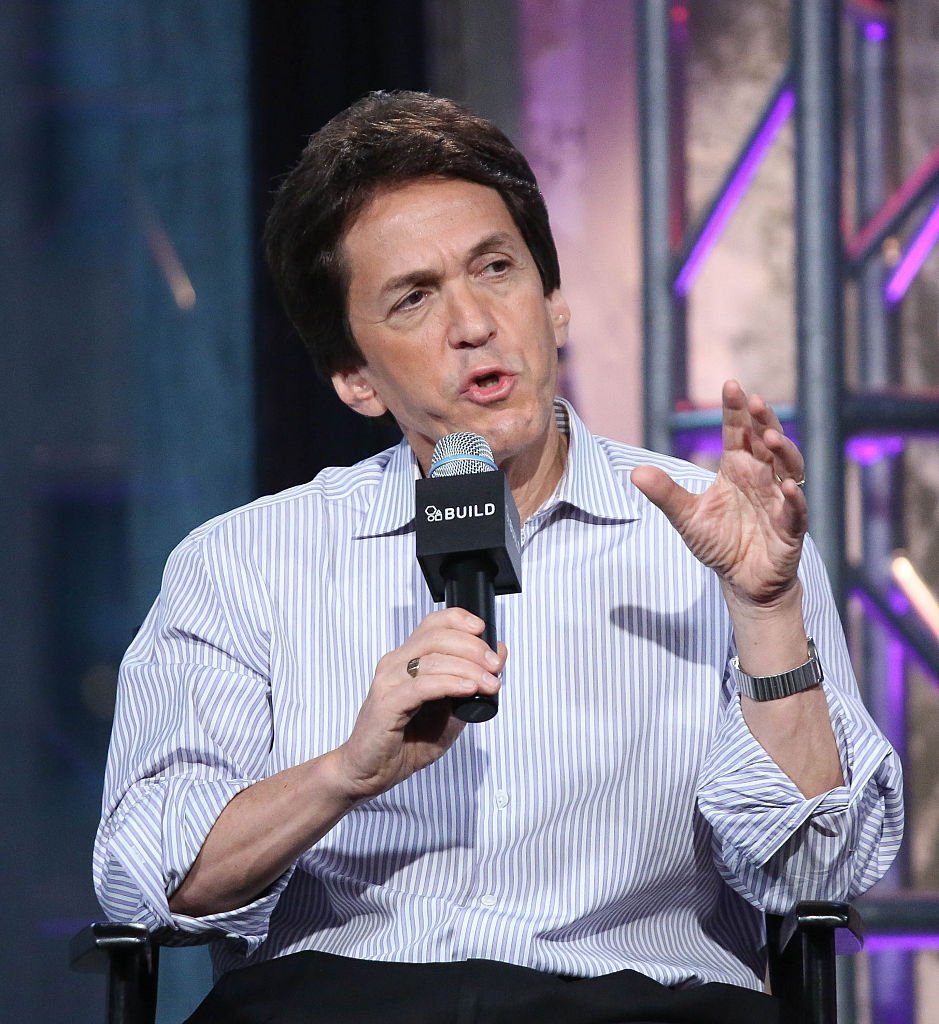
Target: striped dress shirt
616, 813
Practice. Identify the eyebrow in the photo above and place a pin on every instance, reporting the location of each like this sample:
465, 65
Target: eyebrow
497, 240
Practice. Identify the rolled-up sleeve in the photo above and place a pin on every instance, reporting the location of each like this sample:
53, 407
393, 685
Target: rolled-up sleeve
192, 729
771, 843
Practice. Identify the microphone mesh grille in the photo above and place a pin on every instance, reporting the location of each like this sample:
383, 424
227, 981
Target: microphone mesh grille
461, 453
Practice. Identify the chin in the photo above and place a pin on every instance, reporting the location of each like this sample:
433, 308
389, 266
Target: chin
516, 435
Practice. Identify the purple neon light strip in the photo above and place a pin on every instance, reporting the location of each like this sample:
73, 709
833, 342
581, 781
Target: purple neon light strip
914, 257
736, 187
898, 943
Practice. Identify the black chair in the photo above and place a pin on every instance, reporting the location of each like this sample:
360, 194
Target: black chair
801, 949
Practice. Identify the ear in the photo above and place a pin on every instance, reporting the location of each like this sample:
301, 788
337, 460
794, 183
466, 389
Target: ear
560, 314
354, 389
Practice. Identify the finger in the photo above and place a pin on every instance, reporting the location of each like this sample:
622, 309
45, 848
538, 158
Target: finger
452, 641
396, 696
662, 491
406, 700
763, 413
448, 666
451, 618
786, 457
788, 463
441, 685
749, 427
736, 422
795, 510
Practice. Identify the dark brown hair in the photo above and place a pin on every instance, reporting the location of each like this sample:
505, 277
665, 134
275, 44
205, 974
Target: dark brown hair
385, 139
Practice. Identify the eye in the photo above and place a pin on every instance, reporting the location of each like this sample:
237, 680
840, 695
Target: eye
497, 266
410, 300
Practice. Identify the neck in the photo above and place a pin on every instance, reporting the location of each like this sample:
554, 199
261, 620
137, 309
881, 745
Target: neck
533, 480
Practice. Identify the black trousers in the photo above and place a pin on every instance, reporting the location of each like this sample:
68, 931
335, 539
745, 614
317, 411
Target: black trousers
319, 988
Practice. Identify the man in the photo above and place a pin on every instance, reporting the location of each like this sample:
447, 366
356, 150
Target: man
285, 773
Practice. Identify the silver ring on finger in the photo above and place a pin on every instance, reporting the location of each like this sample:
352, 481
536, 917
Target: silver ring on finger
414, 666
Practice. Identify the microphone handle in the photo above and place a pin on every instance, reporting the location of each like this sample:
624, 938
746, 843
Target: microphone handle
469, 583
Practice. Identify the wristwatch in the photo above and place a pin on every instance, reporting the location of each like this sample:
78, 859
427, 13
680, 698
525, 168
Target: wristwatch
805, 677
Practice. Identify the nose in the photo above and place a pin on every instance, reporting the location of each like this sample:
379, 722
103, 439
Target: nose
470, 322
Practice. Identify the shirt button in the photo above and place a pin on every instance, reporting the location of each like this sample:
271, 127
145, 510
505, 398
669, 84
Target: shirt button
502, 799
488, 900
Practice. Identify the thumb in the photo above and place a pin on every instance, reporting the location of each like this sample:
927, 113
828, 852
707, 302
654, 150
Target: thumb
663, 492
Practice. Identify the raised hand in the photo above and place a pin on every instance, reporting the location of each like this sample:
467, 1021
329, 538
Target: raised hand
748, 526
405, 723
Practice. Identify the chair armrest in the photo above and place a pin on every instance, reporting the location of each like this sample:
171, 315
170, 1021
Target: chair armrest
94, 946
840, 920
129, 956
802, 947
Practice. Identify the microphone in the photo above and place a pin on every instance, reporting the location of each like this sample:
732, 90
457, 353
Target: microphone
468, 542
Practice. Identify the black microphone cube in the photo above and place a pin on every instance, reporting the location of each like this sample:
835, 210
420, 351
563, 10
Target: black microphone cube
468, 514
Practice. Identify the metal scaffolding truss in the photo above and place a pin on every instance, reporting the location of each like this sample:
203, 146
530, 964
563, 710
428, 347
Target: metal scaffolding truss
868, 424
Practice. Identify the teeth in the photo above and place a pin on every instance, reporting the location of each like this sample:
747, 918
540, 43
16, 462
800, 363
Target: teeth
487, 381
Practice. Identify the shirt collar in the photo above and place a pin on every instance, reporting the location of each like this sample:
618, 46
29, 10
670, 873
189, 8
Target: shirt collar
589, 483
392, 504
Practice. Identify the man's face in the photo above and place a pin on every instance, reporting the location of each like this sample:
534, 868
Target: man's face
446, 304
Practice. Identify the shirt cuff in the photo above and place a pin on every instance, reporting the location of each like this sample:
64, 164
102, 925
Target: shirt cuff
754, 807
148, 849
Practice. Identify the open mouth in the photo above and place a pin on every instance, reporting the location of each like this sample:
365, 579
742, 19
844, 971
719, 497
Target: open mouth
489, 386
485, 383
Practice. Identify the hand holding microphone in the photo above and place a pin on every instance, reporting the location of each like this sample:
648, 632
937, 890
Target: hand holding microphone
468, 541
468, 547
